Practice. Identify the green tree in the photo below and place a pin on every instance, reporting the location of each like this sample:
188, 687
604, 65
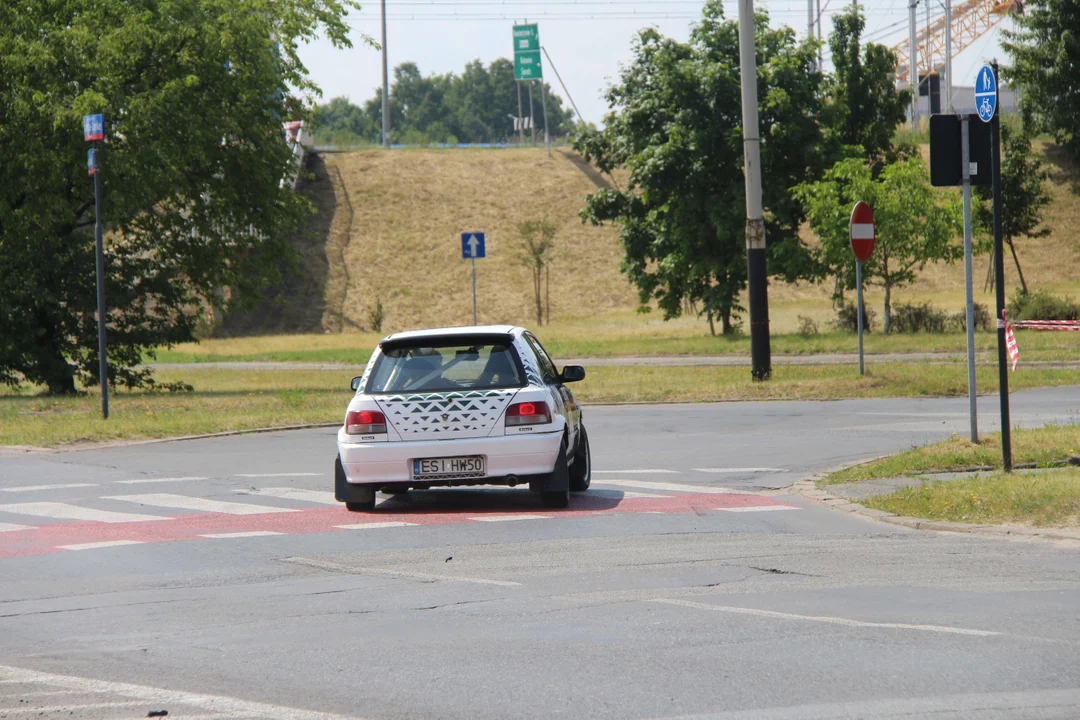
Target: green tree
915, 224
866, 106
1045, 52
1023, 194
194, 93
475, 106
537, 242
675, 126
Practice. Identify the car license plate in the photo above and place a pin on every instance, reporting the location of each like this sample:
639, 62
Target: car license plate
428, 467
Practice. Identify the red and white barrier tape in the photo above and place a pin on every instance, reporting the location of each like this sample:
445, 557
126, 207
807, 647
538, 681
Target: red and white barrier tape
1010, 338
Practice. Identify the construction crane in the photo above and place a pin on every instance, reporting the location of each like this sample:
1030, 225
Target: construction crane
970, 21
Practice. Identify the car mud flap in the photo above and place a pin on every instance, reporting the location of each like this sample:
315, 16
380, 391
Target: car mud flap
344, 492
559, 479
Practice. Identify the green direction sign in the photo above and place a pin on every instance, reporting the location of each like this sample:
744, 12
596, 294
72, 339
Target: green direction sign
526, 37
527, 66
527, 53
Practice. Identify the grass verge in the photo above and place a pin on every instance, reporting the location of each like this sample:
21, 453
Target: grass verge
244, 399
587, 339
1043, 499
1041, 446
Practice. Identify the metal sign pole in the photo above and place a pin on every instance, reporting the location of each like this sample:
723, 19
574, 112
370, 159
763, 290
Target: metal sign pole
858, 283
969, 310
99, 252
999, 276
474, 288
520, 118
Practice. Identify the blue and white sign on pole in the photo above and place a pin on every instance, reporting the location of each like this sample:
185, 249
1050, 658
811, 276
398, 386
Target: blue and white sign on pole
472, 245
93, 127
986, 93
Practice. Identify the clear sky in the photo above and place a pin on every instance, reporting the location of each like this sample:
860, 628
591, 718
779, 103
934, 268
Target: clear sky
587, 39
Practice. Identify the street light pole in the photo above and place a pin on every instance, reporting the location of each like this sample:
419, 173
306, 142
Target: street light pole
385, 85
761, 363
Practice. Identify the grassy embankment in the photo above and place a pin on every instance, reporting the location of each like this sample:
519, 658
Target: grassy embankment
390, 223
1040, 499
244, 399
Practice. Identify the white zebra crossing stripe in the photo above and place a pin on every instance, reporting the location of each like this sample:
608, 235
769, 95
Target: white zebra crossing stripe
215, 705
758, 508
375, 525
638, 471
628, 494
142, 481
322, 497
63, 511
274, 475
183, 502
673, 487
739, 470
31, 488
12, 527
96, 545
253, 533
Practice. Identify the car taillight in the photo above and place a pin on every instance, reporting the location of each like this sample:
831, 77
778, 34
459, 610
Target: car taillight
365, 422
528, 413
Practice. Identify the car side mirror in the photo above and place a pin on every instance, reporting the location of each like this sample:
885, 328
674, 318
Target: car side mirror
573, 373
355, 384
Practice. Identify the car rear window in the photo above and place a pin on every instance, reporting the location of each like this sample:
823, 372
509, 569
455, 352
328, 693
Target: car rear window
437, 367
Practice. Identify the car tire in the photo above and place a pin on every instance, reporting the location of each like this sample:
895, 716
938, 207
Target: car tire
560, 498
581, 467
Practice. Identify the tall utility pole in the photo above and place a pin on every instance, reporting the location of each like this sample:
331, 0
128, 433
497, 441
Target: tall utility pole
385, 85
913, 66
761, 363
821, 39
948, 58
809, 18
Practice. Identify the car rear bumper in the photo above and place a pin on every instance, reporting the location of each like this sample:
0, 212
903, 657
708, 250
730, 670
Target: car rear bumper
385, 463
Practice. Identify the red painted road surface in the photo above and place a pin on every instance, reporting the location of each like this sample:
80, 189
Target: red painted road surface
52, 537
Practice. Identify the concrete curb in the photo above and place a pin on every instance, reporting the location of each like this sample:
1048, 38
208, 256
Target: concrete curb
808, 488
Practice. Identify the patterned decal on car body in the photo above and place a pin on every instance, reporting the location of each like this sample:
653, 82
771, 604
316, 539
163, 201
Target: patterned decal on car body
470, 413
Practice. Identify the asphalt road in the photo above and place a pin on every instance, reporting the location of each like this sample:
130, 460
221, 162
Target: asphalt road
214, 579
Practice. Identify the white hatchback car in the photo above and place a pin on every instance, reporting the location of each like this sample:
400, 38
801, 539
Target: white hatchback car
462, 406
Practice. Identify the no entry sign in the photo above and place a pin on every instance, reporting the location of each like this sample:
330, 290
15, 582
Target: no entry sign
862, 231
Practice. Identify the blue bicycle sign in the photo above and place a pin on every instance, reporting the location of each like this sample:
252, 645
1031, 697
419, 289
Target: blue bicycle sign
986, 95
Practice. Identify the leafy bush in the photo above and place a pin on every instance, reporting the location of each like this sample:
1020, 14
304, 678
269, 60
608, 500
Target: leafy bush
847, 318
913, 318
1041, 305
983, 319
376, 316
807, 326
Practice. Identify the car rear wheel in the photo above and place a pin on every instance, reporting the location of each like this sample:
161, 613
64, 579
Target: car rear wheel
557, 498
581, 468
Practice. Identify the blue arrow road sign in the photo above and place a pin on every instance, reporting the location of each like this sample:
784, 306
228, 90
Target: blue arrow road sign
986, 95
472, 245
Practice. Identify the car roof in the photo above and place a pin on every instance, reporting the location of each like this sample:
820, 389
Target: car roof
453, 331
